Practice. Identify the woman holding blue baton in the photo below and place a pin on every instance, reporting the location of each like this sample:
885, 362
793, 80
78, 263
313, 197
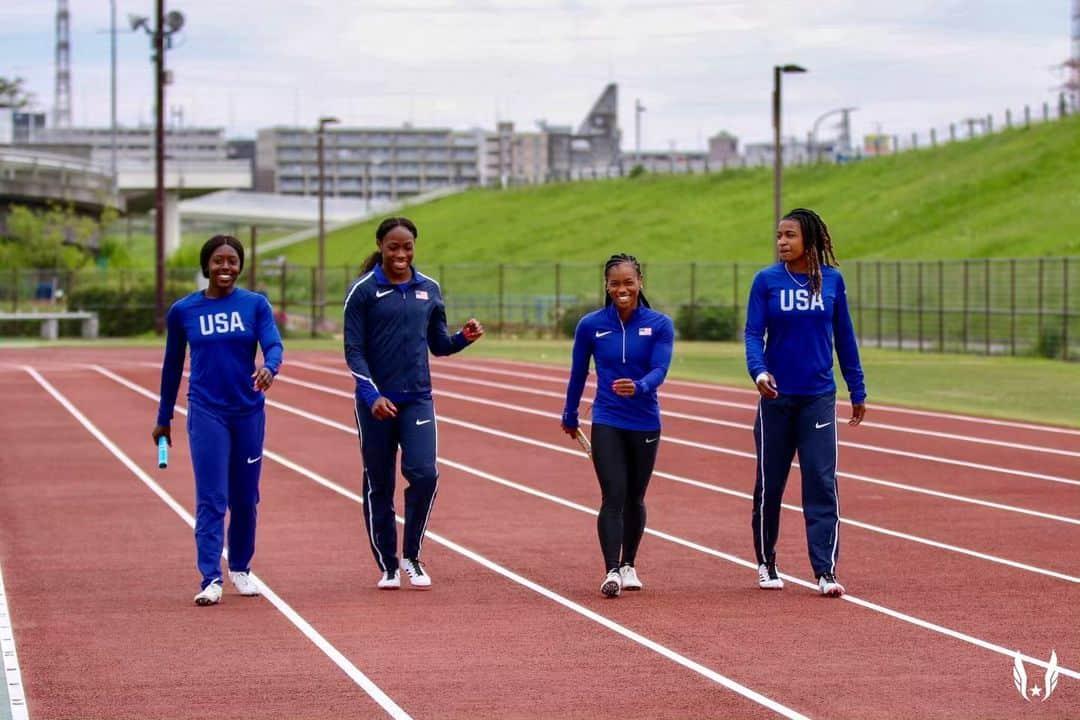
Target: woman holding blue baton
224, 325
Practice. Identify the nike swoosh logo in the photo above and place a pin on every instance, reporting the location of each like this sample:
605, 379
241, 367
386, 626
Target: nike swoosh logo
379, 293
818, 426
422, 422
252, 461
649, 441
602, 334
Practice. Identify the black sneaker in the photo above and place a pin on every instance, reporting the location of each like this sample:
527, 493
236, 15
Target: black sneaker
829, 585
768, 578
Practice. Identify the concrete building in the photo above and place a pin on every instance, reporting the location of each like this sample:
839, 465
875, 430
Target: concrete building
137, 144
673, 162
374, 163
724, 150
796, 152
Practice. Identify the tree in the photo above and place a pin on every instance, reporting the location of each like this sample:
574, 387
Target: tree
13, 93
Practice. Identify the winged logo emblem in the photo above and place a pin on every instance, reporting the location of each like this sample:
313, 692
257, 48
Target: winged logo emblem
1050, 679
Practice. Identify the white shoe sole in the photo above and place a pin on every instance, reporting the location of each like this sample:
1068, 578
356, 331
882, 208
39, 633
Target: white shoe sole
833, 591
777, 584
610, 588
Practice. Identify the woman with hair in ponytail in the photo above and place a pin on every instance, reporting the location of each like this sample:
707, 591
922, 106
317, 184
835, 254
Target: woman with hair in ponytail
797, 312
631, 345
394, 315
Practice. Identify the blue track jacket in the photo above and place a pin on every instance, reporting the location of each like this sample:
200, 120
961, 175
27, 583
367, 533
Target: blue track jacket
641, 350
790, 333
388, 331
223, 333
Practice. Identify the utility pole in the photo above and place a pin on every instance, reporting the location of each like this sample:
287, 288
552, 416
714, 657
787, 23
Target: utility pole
638, 109
159, 166
62, 91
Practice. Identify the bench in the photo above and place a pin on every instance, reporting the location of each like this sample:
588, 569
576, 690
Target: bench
50, 321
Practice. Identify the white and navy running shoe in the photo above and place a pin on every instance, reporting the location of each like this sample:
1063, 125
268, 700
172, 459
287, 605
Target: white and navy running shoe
768, 578
612, 585
209, 595
828, 585
243, 583
628, 577
418, 577
391, 580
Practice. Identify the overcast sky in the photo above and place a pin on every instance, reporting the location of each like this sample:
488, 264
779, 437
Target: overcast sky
698, 66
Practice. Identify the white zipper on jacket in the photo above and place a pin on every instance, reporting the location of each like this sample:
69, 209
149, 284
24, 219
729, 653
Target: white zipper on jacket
623, 337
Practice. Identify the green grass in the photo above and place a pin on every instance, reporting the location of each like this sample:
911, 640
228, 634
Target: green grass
1011, 194
1012, 388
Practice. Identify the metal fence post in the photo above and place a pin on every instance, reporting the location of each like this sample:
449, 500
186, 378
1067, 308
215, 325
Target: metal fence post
879, 302
964, 306
558, 298
735, 293
858, 293
314, 302
502, 276
986, 303
1039, 303
693, 296
14, 289
284, 295
941, 305
1012, 305
899, 307
1065, 309
919, 288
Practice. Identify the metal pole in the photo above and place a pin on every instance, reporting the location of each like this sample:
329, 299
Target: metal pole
112, 90
159, 167
778, 165
319, 298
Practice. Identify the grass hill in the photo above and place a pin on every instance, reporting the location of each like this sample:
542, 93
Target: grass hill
1012, 194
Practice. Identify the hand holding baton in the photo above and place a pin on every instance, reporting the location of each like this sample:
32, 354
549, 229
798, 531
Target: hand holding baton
163, 452
583, 442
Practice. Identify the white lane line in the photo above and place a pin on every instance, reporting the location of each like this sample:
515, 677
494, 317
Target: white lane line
480, 367
843, 443
703, 446
652, 645
335, 655
911, 619
750, 407
744, 426
16, 692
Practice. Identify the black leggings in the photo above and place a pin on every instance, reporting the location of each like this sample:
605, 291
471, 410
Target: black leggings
624, 462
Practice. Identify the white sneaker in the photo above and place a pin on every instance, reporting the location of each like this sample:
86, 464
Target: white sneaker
612, 585
390, 580
629, 578
209, 595
418, 577
768, 578
828, 585
244, 583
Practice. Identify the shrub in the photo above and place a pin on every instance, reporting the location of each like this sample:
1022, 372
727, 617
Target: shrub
570, 316
123, 310
1050, 343
706, 322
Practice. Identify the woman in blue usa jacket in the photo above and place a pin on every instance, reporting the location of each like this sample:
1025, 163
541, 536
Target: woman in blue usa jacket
631, 345
796, 313
226, 421
393, 315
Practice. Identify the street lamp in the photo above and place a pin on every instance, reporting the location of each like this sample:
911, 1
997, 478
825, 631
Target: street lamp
638, 109
778, 155
320, 284
160, 38
812, 149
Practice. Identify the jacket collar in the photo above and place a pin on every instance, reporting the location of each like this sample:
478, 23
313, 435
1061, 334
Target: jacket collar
613, 313
381, 279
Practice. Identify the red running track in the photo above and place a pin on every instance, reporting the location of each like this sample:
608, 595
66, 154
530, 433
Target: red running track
954, 560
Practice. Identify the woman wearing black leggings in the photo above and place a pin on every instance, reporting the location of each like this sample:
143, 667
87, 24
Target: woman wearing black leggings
630, 344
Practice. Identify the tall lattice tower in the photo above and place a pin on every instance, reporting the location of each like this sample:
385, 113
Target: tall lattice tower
62, 98
1074, 61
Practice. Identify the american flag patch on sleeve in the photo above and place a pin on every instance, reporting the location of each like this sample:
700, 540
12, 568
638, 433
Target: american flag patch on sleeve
421, 295
644, 331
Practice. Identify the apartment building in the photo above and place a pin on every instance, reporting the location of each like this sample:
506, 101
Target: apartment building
385, 163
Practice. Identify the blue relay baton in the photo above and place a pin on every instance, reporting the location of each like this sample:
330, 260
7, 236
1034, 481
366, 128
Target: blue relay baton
162, 452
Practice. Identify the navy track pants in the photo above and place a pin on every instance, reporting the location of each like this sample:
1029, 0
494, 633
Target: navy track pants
226, 454
414, 431
785, 425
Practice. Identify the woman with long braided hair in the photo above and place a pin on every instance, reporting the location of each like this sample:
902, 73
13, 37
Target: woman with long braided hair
796, 314
630, 344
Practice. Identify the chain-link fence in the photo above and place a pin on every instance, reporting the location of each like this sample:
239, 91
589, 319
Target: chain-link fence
1011, 306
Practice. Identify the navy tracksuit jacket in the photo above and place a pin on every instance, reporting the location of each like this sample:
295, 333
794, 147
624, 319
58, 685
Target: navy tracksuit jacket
388, 332
790, 333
